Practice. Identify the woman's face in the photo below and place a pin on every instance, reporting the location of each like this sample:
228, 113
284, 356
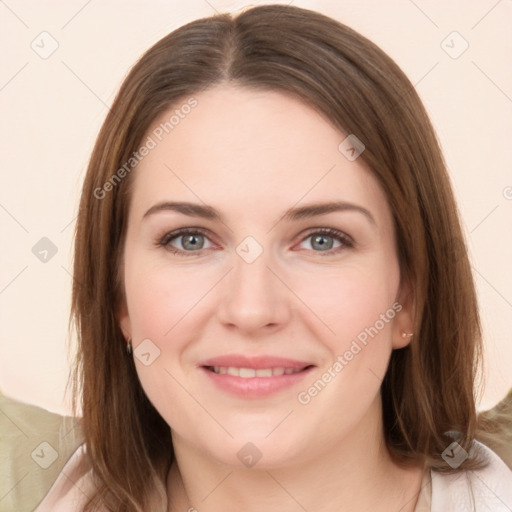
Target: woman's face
258, 288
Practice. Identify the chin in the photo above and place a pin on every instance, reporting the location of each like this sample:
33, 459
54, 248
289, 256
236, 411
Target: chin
257, 451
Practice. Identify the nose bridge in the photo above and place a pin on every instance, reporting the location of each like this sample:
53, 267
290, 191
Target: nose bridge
253, 296
252, 276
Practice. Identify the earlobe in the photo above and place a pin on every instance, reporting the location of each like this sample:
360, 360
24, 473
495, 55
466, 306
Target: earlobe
405, 339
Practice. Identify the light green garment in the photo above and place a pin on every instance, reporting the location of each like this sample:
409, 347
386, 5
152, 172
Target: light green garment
35, 444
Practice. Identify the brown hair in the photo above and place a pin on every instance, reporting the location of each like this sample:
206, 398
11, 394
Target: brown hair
429, 386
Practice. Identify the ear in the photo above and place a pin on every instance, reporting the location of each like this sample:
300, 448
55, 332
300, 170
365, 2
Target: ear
123, 319
404, 319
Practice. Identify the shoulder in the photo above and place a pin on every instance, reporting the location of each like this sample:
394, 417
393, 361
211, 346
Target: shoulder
481, 490
35, 444
72, 487
76, 484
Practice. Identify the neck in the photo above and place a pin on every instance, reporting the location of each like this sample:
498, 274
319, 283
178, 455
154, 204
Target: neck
354, 474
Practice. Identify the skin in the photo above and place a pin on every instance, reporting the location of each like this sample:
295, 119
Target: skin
252, 155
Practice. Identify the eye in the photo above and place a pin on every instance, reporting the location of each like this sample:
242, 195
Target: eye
324, 240
185, 240
191, 241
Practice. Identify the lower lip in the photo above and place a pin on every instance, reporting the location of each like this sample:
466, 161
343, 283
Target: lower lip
255, 387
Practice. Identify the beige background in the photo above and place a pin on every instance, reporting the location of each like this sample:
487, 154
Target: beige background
52, 109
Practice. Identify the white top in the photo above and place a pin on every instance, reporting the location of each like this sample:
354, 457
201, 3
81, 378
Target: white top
485, 490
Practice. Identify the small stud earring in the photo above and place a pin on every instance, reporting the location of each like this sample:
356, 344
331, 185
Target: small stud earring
407, 334
129, 346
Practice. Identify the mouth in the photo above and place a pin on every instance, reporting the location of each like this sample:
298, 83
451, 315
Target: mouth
254, 377
251, 373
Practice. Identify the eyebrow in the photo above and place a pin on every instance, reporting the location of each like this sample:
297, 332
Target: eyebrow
296, 213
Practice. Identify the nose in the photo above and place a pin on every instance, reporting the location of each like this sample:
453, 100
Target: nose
254, 297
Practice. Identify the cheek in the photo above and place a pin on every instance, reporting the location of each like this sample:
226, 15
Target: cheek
356, 302
160, 297
161, 303
351, 299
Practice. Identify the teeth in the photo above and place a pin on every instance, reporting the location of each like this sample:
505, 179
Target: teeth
249, 373
264, 373
233, 371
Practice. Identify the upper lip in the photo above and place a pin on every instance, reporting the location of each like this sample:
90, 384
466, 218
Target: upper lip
256, 362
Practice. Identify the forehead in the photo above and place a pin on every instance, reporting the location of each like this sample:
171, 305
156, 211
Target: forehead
256, 145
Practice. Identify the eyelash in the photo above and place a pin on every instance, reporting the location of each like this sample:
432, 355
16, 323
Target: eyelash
165, 240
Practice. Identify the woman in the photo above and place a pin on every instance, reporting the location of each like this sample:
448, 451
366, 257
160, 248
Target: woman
274, 306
